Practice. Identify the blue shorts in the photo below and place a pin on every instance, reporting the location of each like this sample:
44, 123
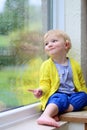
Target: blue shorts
78, 100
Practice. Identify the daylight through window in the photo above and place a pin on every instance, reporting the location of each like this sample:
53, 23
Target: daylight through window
22, 24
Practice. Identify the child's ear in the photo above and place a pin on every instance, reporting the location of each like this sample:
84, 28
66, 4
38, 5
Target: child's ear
67, 44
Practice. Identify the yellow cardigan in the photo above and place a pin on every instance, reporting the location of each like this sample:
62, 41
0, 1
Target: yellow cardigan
50, 82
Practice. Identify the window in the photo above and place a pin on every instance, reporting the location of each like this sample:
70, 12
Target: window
22, 24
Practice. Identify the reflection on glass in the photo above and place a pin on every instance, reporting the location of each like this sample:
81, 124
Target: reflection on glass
21, 51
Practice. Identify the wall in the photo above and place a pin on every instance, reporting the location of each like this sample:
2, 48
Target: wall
84, 37
73, 26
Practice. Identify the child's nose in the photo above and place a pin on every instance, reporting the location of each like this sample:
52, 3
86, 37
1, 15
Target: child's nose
50, 44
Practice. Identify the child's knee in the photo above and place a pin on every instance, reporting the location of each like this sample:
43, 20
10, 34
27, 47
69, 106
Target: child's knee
63, 105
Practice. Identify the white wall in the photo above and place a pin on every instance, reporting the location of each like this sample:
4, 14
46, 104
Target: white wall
73, 26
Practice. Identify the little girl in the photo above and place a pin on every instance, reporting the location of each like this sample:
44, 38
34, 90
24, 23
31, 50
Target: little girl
62, 86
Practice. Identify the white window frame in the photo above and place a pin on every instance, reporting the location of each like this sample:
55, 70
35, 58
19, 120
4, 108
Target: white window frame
58, 14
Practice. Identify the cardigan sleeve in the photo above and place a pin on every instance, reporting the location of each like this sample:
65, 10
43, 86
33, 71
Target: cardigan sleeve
82, 80
78, 77
44, 82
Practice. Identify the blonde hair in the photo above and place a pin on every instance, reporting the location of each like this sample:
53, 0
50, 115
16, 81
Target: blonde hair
59, 33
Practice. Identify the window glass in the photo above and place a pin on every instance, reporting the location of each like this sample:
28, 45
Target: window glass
22, 24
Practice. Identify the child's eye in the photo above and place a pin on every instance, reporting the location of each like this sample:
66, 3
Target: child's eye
46, 44
54, 40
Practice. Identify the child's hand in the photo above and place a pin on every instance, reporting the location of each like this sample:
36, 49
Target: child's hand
37, 92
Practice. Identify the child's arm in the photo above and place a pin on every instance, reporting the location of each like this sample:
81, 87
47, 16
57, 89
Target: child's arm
37, 92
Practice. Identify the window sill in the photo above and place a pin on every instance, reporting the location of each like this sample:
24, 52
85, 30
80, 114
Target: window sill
11, 117
31, 124
25, 118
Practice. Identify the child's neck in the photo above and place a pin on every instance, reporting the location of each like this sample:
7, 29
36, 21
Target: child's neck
61, 60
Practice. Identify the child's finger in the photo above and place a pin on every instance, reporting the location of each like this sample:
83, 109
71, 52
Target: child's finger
31, 90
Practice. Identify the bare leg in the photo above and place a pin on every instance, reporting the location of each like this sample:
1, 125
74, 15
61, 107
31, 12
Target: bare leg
48, 116
70, 108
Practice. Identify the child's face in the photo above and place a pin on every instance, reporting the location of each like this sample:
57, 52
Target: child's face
55, 45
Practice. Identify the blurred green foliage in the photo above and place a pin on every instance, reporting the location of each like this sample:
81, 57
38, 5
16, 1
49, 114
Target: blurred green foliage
16, 79
21, 53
